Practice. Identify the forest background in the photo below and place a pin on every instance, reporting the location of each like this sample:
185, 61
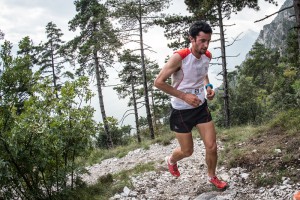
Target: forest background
47, 114
16, 23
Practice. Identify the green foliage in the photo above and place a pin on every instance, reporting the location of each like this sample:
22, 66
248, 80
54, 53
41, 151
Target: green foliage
253, 148
5, 54
296, 87
39, 145
267, 180
51, 58
208, 8
261, 66
176, 26
286, 88
27, 49
103, 189
143, 123
247, 103
120, 135
109, 184
95, 47
99, 154
16, 80
131, 81
132, 12
176, 30
288, 120
292, 51
97, 37
163, 137
135, 17
239, 134
234, 140
1, 35
263, 85
130, 76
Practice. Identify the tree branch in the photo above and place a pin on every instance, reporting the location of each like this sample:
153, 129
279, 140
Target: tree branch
237, 38
267, 16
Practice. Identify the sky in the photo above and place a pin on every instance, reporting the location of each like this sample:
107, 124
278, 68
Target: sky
20, 18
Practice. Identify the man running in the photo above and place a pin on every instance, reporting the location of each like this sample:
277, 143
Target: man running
188, 69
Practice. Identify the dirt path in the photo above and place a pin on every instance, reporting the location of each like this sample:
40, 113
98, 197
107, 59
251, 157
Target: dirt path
192, 184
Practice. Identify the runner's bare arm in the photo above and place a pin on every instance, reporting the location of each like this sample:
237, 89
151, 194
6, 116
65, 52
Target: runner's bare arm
170, 67
206, 80
173, 64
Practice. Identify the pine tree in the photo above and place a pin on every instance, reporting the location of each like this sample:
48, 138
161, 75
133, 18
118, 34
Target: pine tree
296, 4
1, 35
51, 59
16, 76
160, 100
130, 77
135, 17
95, 45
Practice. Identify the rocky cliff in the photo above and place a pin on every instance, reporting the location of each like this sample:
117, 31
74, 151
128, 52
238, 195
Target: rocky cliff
273, 35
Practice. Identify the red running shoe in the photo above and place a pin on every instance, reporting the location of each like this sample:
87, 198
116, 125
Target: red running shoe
173, 169
296, 196
218, 183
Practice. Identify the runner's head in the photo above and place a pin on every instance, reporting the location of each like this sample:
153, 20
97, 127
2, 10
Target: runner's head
200, 35
199, 26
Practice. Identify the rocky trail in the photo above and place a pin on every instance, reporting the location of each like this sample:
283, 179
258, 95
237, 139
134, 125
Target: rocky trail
191, 185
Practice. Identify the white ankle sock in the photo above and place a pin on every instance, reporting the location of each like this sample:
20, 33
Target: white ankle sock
169, 160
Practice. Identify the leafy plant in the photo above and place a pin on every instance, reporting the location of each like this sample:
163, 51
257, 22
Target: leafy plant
39, 147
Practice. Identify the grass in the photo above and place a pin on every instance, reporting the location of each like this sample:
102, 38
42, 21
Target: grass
288, 121
109, 184
253, 148
164, 139
234, 139
163, 136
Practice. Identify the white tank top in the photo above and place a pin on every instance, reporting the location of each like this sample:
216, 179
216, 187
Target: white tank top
190, 77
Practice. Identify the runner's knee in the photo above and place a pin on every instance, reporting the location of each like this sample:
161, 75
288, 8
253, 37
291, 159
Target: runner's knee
211, 148
187, 152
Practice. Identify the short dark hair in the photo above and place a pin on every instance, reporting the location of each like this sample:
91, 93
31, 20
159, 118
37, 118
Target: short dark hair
199, 26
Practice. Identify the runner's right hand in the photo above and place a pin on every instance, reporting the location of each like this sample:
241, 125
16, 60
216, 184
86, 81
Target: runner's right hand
191, 99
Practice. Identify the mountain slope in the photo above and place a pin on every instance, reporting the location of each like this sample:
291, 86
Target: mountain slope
273, 35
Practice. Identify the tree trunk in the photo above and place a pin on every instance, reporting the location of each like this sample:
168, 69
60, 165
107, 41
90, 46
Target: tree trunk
53, 72
109, 141
297, 14
135, 110
224, 70
149, 118
153, 108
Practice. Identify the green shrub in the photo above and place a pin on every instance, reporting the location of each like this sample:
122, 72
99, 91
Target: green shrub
288, 121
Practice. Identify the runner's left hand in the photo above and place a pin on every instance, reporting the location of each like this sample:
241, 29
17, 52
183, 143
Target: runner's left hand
210, 94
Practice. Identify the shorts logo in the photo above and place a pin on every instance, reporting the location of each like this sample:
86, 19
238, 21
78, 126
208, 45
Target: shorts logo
175, 127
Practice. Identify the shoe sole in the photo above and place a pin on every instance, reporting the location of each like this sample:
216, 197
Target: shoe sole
219, 189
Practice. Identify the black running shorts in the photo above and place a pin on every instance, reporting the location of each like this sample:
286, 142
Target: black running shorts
183, 121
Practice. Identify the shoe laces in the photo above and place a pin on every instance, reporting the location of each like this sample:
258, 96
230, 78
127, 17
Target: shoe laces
175, 167
216, 180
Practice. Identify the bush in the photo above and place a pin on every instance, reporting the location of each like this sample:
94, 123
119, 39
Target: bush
119, 135
288, 121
